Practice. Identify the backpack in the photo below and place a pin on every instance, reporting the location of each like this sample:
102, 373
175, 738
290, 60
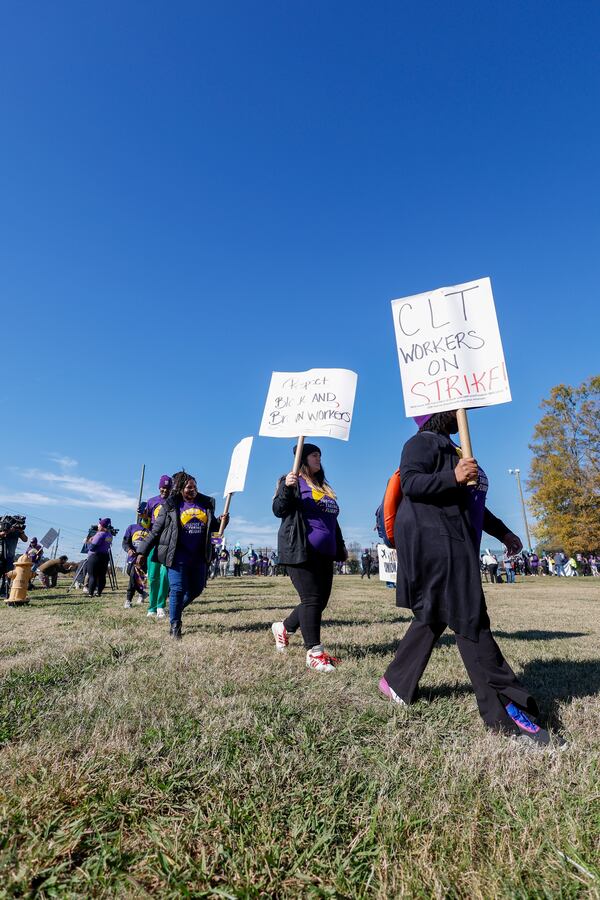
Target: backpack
385, 514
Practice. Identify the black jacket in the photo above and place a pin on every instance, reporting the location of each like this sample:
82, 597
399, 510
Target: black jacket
166, 528
291, 537
438, 558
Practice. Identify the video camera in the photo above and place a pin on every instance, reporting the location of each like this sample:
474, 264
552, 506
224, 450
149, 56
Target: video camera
93, 529
12, 523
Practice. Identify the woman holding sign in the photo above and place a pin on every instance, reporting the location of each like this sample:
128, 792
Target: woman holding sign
182, 535
437, 534
308, 542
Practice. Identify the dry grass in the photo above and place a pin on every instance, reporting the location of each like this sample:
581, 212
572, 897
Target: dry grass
215, 768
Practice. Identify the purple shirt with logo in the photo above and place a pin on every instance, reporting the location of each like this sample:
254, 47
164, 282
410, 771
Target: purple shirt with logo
100, 543
320, 514
193, 521
153, 507
134, 534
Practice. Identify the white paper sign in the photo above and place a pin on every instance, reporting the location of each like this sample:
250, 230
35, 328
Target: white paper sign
238, 467
388, 563
449, 349
316, 403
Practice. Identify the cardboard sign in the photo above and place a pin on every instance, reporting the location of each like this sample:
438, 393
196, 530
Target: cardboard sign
49, 538
316, 403
238, 467
449, 349
388, 563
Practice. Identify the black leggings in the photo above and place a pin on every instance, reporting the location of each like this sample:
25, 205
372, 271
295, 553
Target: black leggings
312, 580
97, 566
493, 680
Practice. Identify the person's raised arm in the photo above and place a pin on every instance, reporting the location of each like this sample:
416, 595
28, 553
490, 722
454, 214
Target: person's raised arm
285, 500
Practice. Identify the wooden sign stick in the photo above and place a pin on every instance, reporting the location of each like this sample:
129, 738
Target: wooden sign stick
464, 436
298, 457
225, 513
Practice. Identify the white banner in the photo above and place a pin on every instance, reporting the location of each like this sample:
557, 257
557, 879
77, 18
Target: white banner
238, 467
388, 563
449, 349
316, 403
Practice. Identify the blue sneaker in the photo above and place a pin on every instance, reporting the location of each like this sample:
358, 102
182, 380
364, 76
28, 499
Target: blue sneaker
530, 732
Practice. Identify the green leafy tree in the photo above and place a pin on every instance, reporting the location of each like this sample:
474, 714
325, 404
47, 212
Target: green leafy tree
564, 482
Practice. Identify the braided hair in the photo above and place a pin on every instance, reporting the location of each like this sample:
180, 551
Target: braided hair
180, 480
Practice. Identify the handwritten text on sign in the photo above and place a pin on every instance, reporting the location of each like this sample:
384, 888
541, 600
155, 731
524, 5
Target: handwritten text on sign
388, 563
450, 349
319, 402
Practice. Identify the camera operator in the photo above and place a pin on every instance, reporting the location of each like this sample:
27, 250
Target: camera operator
12, 530
98, 556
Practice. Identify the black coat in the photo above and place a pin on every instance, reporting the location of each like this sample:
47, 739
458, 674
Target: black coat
438, 554
291, 538
166, 528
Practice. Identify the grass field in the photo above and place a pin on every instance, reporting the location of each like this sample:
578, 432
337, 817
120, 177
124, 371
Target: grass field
133, 766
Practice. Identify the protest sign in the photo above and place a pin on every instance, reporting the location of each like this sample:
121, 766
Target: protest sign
49, 538
316, 403
449, 349
236, 479
238, 467
388, 563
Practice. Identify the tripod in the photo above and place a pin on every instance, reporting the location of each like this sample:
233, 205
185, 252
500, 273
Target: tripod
110, 572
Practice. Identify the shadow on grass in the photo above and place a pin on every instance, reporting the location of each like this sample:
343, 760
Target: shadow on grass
554, 680
535, 635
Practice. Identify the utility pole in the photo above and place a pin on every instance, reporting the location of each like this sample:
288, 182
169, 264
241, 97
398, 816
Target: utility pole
517, 474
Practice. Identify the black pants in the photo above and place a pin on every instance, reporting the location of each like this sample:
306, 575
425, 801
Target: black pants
237, 570
134, 584
492, 678
312, 580
97, 566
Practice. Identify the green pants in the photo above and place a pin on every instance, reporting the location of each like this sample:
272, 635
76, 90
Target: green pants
158, 583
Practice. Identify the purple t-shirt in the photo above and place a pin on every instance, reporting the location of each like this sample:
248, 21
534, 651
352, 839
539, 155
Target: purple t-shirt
134, 534
193, 520
153, 507
320, 514
101, 542
477, 496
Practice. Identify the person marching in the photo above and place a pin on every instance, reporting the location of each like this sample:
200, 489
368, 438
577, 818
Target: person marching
308, 542
223, 561
437, 534
181, 534
238, 559
98, 557
158, 579
134, 535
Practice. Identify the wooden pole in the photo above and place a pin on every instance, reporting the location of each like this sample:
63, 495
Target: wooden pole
141, 489
464, 436
298, 457
225, 513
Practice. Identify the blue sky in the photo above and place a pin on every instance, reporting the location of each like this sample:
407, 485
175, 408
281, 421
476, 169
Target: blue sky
196, 194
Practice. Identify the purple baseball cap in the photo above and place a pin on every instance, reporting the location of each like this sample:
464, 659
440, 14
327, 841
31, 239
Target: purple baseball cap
165, 481
421, 420
106, 523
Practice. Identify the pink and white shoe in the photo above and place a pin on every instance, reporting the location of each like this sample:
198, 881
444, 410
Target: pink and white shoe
317, 659
281, 636
390, 693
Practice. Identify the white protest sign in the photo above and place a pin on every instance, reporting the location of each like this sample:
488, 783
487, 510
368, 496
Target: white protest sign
316, 403
449, 349
238, 467
388, 563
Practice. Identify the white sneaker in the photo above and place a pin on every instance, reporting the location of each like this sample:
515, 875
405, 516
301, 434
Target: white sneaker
127, 605
150, 614
281, 636
161, 614
317, 659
